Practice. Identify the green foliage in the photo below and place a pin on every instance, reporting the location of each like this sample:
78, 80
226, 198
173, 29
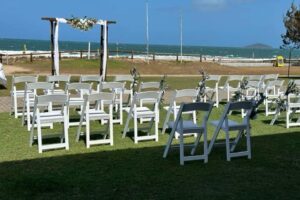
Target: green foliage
83, 24
291, 38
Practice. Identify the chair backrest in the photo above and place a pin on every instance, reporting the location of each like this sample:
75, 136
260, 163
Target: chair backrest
254, 77
83, 88
39, 86
234, 79
123, 78
247, 106
273, 85
22, 79
43, 100
197, 106
120, 86
213, 79
297, 82
59, 78
190, 93
101, 96
154, 96
269, 77
90, 78
149, 85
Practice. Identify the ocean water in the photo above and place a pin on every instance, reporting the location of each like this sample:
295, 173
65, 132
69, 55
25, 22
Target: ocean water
231, 52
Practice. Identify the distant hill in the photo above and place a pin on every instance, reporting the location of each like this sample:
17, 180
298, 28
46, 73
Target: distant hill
259, 46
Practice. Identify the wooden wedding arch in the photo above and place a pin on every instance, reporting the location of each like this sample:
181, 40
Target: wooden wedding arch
54, 43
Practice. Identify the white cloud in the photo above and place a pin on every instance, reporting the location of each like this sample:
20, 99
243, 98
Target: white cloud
209, 4
215, 4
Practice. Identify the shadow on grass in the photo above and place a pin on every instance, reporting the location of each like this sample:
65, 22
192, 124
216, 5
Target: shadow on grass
142, 173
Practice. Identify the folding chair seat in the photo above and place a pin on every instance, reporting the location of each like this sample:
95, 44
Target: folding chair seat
58, 79
212, 89
272, 91
128, 87
31, 90
136, 113
293, 110
147, 86
17, 92
42, 115
97, 113
231, 85
227, 125
186, 127
185, 95
75, 92
95, 79
118, 88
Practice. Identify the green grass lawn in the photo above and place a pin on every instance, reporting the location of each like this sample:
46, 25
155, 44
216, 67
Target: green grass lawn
138, 171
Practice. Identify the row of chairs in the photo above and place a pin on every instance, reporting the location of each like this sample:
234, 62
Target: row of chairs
185, 127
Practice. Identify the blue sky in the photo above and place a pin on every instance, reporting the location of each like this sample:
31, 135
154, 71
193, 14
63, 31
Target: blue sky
205, 22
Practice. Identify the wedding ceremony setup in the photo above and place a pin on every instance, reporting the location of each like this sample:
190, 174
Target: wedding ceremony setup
150, 99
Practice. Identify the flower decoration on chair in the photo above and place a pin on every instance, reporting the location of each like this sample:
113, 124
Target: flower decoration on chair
83, 24
136, 78
202, 85
162, 87
241, 92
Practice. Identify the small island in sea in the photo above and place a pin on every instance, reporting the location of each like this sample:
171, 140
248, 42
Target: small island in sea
259, 46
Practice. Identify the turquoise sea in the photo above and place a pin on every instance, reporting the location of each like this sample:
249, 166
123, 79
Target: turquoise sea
44, 45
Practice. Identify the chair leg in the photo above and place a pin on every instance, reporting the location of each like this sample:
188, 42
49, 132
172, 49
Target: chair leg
196, 143
39, 130
212, 141
205, 146
87, 133
31, 136
227, 145
126, 125
135, 129
79, 127
156, 128
66, 133
181, 148
236, 140
16, 106
111, 135
169, 143
248, 134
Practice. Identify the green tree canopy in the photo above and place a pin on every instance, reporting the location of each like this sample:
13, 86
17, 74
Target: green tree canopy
291, 38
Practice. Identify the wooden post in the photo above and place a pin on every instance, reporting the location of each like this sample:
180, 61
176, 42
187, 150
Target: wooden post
154, 56
31, 57
131, 54
80, 54
177, 57
52, 48
101, 49
1, 58
200, 57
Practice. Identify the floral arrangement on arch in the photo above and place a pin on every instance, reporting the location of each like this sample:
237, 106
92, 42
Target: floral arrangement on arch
83, 24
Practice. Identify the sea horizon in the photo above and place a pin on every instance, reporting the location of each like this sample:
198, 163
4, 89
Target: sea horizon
19, 45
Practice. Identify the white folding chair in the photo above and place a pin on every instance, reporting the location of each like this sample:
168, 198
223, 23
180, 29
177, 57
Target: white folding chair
118, 88
231, 85
41, 115
186, 127
58, 79
28, 105
75, 92
212, 88
17, 92
128, 87
137, 112
293, 110
185, 95
95, 79
228, 125
97, 113
272, 91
